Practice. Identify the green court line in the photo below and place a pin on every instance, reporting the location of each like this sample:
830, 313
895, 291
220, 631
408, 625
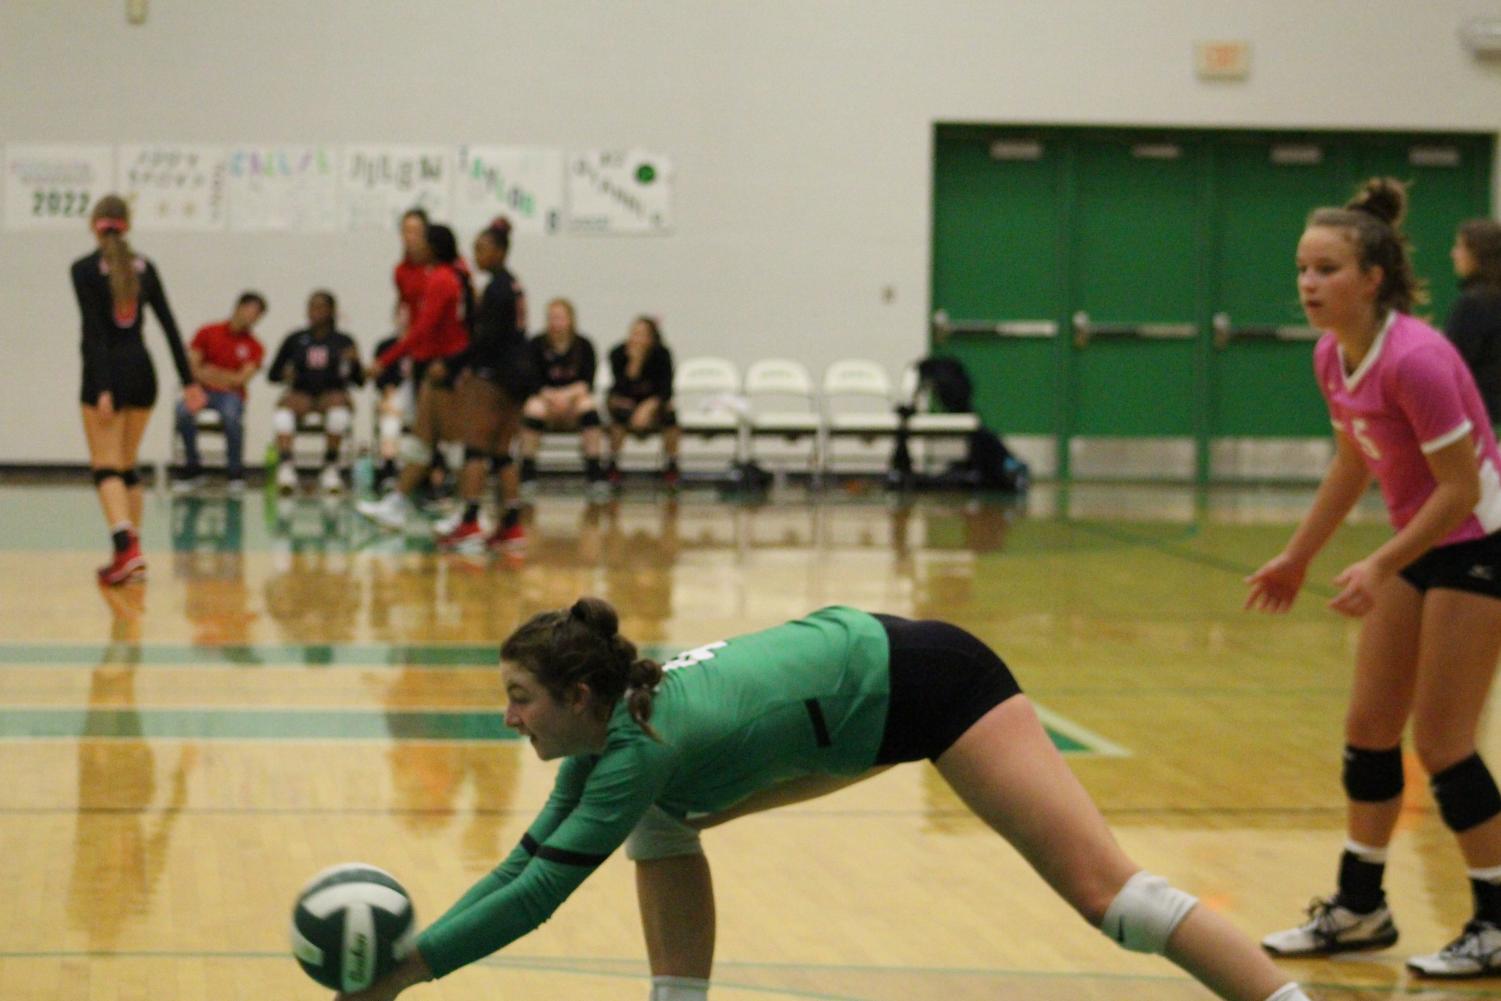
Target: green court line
266, 655
284, 724
639, 971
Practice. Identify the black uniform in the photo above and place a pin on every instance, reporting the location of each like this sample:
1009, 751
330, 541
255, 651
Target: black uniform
1475, 328
497, 345
313, 365
114, 353
655, 378
574, 365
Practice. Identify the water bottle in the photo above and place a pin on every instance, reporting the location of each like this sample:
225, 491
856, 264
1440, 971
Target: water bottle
364, 471
271, 462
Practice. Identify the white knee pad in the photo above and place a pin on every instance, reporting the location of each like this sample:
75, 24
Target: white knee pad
416, 452
1143, 916
390, 427
283, 421
658, 834
337, 420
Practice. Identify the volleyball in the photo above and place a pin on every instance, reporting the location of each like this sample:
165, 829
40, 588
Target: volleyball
351, 925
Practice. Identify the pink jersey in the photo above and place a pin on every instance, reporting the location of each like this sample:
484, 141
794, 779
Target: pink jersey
1412, 395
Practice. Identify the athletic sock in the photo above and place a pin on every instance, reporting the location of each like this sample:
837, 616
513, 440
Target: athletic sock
1361, 869
1485, 885
120, 535
511, 515
471, 512
690, 989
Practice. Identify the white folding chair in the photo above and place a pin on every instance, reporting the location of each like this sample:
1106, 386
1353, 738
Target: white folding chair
925, 426
783, 405
857, 405
706, 396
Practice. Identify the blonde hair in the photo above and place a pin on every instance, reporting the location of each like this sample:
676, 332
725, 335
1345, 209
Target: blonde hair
109, 220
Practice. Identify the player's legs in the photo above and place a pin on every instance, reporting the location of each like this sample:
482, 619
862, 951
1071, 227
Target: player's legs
106, 441
136, 420
1009, 773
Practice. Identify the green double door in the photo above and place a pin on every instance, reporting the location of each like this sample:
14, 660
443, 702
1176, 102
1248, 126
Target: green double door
1139, 287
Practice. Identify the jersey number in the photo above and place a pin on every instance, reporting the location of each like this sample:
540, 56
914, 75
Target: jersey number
1358, 429
695, 656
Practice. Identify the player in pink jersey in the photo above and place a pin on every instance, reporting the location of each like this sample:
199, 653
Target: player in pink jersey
1405, 411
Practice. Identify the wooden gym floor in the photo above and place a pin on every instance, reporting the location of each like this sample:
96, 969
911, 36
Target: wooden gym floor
291, 689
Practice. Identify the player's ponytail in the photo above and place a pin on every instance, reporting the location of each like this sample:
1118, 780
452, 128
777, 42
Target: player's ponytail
582, 644
110, 220
1373, 222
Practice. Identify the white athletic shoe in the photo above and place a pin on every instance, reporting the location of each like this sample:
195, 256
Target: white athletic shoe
448, 522
286, 478
329, 481
388, 512
1476, 953
1331, 928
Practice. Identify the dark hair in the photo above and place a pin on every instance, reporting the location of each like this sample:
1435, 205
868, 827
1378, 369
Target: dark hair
419, 213
651, 325
445, 249
250, 296
1373, 220
1482, 238
582, 644
498, 232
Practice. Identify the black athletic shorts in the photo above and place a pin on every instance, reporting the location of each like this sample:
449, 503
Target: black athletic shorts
132, 376
942, 681
1473, 566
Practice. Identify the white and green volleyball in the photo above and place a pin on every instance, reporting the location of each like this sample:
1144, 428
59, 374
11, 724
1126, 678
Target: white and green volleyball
351, 925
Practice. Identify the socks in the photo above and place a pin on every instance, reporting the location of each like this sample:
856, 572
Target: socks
694, 989
1288, 992
1361, 868
511, 515
120, 535
1485, 885
593, 470
471, 512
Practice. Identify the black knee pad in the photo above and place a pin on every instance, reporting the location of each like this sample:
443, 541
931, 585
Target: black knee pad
590, 420
534, 424
1373, 776
1467, 794
475, 455
498, 463
100, 475
131, 477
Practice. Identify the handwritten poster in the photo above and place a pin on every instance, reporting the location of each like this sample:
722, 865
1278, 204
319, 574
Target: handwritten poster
619, 191
290, 188
383, 181
524, 185
55, 186
173, 185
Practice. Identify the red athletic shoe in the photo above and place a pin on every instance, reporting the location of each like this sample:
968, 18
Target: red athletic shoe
125, 567
466, 537
507, 539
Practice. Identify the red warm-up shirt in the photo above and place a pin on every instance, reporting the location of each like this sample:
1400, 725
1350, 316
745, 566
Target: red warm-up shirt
437, 329
221, 347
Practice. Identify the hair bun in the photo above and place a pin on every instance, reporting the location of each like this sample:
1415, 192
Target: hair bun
597, 615
1383, 197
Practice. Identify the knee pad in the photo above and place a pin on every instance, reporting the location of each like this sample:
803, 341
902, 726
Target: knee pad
1143, 916
337, 420
1372, 776
131, 477
534, 424
415, 452
472, 454
100, 475
283, 421
498, 463
1466, 794
390, 426
658, 834
590, 420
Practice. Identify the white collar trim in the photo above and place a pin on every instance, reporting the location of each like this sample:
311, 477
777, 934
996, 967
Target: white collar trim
1352, 379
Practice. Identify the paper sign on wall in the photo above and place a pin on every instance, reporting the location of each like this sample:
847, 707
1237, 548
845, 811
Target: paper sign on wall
524, 185
293, 188
383, 181
55, 186
619, 191
173, 185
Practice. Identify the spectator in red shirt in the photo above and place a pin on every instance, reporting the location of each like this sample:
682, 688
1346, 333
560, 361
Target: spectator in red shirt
223, 357
410, 275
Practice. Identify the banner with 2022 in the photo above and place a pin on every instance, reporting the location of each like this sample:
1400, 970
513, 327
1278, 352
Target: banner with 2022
53, 186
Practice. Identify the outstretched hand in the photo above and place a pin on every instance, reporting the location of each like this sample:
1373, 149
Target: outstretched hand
1275, 586
1358, 585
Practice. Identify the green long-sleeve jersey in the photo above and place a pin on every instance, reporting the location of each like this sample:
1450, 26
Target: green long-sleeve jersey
735, 717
